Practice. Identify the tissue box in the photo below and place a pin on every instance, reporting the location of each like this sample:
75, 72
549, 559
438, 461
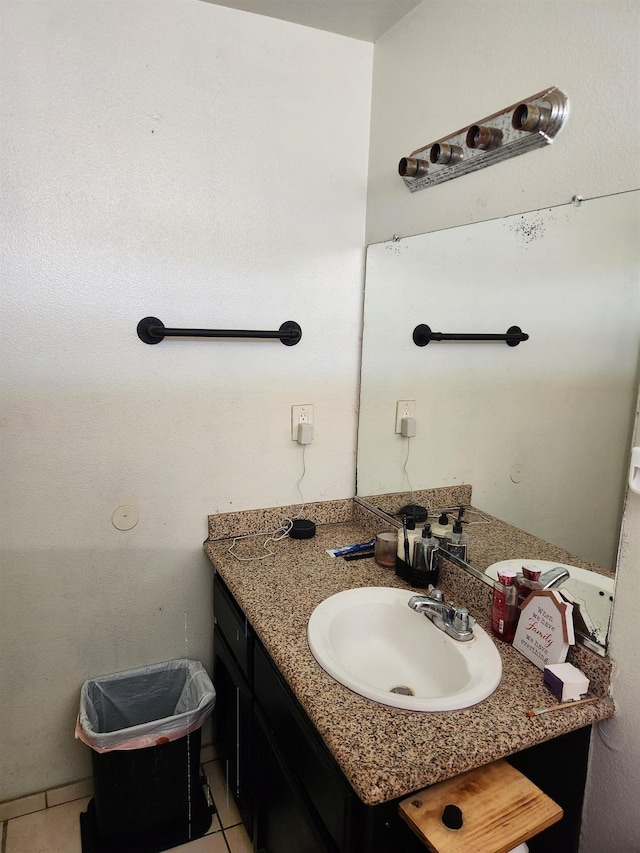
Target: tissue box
565, 681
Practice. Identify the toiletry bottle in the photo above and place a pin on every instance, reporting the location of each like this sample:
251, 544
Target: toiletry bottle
419, 566
456, 542
504, 606
527, 582
441, 527
431, 545
425, 560
406, 540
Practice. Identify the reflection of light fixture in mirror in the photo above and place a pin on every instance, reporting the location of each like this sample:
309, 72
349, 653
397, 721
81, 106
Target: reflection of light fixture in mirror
523, 126
410, 167
442, 152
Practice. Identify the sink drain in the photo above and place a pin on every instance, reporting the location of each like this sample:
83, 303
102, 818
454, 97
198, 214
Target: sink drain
403, 690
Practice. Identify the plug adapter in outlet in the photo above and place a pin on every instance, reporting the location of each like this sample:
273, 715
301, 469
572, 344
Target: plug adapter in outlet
404, 409
300, 415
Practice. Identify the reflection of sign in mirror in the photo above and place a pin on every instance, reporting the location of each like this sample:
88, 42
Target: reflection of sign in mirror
545, 628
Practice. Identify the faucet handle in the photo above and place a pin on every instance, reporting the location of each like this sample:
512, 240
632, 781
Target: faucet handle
462, 621
435, 594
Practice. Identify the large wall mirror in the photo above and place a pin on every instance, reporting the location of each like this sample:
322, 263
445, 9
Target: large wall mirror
541, 431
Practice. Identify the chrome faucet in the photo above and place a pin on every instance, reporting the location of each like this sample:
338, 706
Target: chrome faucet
554, 577
454, 621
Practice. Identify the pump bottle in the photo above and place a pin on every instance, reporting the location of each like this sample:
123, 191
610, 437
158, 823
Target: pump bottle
456, 543
425, 560
442, 527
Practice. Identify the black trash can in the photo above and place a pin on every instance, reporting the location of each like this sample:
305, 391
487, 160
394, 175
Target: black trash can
144, 727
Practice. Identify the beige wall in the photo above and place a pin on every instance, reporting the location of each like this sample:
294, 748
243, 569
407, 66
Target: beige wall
156, 163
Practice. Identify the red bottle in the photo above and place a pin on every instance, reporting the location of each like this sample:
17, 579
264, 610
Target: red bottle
504, 606
528, 582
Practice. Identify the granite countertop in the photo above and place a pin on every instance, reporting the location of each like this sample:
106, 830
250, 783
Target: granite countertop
386, 752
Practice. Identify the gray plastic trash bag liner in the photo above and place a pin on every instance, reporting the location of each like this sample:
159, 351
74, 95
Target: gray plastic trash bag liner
144, 707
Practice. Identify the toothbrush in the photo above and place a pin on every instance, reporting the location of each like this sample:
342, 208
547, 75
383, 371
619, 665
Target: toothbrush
406, 540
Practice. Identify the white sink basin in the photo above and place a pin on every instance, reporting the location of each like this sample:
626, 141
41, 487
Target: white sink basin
371, 641
591, 591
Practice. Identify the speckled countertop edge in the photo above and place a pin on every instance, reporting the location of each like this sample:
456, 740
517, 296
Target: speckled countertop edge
387, 752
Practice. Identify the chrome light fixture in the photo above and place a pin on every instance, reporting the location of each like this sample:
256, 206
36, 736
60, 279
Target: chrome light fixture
518, 128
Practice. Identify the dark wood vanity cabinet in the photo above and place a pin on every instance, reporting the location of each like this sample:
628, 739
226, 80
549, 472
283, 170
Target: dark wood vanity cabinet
291, 794
234, 704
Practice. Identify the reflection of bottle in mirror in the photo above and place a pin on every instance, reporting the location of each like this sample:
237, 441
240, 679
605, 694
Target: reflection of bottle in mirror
527, 582
504, 606
442, 527
457, 541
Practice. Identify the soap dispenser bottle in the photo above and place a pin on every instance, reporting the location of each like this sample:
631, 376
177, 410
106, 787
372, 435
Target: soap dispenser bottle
504, 606
442, 527
457, 541
425, 560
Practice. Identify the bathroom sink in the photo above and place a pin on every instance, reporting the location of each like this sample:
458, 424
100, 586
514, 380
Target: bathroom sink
372, 642
588, 590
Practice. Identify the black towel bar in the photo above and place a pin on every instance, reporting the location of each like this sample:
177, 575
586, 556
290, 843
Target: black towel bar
422, 335
152, 331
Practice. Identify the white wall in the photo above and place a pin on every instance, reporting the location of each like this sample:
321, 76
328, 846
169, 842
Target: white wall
448, 64
207, 167
611, 819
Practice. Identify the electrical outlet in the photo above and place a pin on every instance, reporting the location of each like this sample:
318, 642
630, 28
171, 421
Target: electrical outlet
300, 415
404, 409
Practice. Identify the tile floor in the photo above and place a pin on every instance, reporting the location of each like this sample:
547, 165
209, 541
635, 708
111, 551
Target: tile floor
57, 829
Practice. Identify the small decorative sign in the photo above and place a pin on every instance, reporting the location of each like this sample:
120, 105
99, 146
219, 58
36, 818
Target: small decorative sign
545, 628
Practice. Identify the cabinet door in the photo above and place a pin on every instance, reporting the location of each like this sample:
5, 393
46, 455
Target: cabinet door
300, 747
233, 711
283, 820
559, 768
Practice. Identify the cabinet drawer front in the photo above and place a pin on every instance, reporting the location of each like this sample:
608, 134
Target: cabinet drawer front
308, 758
233, 625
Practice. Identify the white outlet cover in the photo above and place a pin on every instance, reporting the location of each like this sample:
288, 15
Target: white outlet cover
404, 409
302, 414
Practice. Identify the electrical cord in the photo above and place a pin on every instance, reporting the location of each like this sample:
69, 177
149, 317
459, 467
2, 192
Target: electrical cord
404, 467
279, 533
